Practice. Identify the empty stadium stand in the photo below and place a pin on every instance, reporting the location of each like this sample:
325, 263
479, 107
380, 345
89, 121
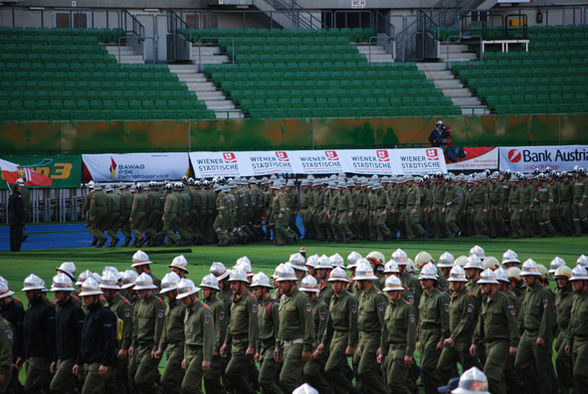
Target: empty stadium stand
293, 73
65, 74
551, 78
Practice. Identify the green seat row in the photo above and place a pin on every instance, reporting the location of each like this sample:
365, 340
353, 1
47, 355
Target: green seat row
101, 115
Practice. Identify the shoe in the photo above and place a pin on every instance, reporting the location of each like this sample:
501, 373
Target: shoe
113, 242
127, 241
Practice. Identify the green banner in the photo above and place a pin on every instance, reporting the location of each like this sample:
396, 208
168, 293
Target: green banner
251, 134
63, 170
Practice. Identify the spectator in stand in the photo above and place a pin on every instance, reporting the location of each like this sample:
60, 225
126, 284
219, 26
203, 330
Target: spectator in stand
438, 135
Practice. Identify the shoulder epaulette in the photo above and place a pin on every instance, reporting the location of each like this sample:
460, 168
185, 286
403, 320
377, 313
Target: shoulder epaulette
251, 296
469, 293
16, 300
204, 306
159, 300
125, 300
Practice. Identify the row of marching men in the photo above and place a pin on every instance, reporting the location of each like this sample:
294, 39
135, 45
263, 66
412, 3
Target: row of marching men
240, 332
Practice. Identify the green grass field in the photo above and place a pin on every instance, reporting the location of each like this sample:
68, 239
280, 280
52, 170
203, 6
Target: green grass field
264, 256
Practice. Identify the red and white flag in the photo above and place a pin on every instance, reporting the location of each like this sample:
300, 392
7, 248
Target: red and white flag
11, 172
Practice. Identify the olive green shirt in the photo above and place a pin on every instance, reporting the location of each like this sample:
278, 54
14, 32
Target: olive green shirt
148, 318
462, 316
296, 320
372, 307
433, 317
563, 306
578, 327
218, 311
243, 320
537, 311
6, 346
320, 313
173, 326
399, 327
124, 312
199, 330
497, 321
343, 318
268, 321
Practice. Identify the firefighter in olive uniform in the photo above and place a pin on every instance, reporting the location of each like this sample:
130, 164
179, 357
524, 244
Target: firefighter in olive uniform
122, 308
497, 329
398, 338
12, 310
295, 340
372, 305
577, 339
342, 334
172, 336
462, 321
433, 327
268, 321
537, 315
148, 318
209, 286
564, 298
242, 332
314, 369
199, 337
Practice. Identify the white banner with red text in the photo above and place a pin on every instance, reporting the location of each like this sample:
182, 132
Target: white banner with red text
530, 158
133, 167
356, 161
473, 158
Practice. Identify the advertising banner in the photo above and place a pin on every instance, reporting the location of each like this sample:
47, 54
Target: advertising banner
57, 171
132, 167
475, 158
530, 158
357, 161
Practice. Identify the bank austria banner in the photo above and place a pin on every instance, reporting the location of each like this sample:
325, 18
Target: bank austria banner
357, 161
475, 158
132, 167
530, 158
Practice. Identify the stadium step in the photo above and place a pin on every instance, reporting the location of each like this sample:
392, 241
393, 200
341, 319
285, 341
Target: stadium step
124, 54
205, 54
375, 54
205, 90
456, 52
453, 88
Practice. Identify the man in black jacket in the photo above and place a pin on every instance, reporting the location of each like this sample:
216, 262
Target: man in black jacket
16, 218
38, 329
68, 329
98, 345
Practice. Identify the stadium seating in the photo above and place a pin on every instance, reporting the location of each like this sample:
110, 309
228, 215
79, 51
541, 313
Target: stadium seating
64, 74
289, 73
551, 78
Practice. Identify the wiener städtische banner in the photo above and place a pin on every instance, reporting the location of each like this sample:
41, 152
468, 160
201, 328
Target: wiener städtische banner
170, 166
330, 161
530, 158
131, 167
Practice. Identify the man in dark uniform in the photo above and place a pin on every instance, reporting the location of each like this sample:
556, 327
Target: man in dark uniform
68, 329
16, 218
98, 343
38, 335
